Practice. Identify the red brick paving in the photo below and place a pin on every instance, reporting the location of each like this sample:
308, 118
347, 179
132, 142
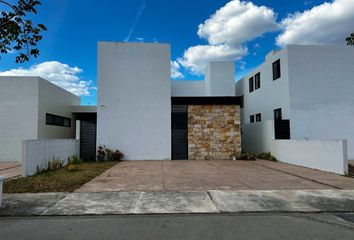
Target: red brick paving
212, 175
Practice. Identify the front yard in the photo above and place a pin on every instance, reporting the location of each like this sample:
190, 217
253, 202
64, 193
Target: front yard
61, 180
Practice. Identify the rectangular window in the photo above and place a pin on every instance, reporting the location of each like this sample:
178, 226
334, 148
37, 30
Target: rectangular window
276, 70
252, 118
55, 120
251, 84
277, 114
258, 117
257, 81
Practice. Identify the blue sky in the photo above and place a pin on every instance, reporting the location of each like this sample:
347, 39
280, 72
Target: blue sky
241, 31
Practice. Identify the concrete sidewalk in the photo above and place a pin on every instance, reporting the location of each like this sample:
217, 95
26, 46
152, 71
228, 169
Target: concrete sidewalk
213, 201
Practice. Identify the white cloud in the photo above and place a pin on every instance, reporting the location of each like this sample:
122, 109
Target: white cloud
175, 70
238, 22
196, 58
328, 23
226, 32
59, 74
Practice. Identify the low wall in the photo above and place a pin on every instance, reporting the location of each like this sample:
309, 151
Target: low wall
329, 155
257, 137
40, 152
1, 181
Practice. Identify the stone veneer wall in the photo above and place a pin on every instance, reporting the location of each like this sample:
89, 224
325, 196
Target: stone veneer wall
213, 131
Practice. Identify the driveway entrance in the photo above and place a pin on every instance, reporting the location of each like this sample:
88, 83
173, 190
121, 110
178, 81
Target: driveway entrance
212, 175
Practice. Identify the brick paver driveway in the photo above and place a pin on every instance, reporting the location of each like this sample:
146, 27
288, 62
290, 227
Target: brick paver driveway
212, 175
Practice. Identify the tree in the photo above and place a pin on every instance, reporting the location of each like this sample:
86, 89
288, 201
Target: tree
17, 32
350, 40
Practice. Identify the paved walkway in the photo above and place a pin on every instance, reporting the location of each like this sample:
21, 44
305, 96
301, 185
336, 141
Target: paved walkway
212, 201
10, 170
212, 175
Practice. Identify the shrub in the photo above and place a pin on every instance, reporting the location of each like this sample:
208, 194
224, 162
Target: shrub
55, 164
246, 156
266, 156
104, 153
101, 153
74, 160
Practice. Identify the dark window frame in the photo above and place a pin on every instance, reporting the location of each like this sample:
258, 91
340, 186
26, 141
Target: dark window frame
251, 84
276, 68
252, 119
257, 81
259, 117
59, 121
278, 114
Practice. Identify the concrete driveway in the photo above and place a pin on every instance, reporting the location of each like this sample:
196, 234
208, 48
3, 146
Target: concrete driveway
212, 175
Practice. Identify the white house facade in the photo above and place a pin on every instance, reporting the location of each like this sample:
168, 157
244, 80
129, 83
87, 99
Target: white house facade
308, 90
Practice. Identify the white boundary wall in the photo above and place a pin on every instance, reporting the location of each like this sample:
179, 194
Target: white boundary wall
1, 181
330, 155
257, 137
40, 152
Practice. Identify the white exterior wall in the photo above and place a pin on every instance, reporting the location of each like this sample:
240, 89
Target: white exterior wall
220, 79
57, 101
258, 137
18, 115
24, 102
184, 88
330, 156
134, 101
37, 153
271, 95
321, 93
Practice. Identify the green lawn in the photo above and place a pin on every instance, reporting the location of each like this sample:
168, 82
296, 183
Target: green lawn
60, 180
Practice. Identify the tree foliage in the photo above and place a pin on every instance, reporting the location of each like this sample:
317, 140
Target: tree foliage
350, 40
17, 32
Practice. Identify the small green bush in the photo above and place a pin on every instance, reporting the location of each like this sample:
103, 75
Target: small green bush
74, 160
72, 167
266, 156
55, 164
246, 156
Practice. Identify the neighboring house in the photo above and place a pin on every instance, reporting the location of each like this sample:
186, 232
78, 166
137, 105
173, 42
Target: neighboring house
32, 108
300, 92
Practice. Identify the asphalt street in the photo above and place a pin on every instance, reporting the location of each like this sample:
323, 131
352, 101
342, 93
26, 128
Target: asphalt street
169, 226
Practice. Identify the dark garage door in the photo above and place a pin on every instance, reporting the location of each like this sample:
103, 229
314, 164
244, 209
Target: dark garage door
179, 132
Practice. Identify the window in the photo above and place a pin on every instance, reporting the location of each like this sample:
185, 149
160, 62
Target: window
276, 70
55, 120
251, 84
242, 101
257, 81
277, 114
258, 117
252, 118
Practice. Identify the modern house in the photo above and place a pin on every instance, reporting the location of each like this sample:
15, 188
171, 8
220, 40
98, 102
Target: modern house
146, 116
299, 92
139, 111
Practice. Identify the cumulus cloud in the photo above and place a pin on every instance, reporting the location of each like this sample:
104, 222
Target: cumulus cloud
226, 32
175, 70
238, 22
59, 74
328, 23
196, 58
